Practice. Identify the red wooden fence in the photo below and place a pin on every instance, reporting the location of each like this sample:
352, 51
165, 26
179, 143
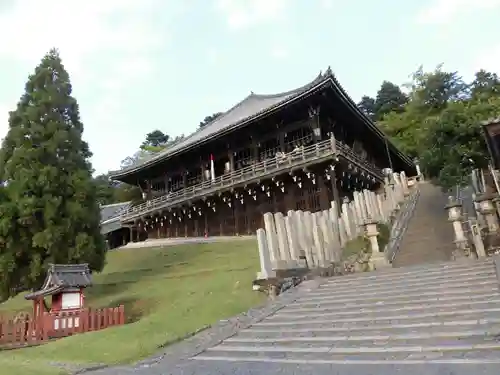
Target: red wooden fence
28, 331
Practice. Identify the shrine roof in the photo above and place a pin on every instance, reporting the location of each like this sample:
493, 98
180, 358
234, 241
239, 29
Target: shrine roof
62, 276
110, 211
251, 108
491, 121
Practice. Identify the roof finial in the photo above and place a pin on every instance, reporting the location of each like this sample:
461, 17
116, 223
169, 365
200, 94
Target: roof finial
329, 71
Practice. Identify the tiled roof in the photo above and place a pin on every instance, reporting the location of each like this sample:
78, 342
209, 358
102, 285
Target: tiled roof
247, 109
69, 275
110, 211
251, 108
61, 276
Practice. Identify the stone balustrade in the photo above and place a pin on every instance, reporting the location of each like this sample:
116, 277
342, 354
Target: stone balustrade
317, 239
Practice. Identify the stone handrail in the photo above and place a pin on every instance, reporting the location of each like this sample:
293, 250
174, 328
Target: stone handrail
315, 152
401, 224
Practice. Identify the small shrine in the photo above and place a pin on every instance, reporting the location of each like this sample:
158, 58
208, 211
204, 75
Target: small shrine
65, 284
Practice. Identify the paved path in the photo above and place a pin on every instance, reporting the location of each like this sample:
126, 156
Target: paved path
180, 240
442, 318
429, 237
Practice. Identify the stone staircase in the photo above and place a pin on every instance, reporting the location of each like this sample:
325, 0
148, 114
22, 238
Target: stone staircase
439, 313
429, 236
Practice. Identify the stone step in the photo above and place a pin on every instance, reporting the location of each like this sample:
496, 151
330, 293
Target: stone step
490, 325
480, 355
263, 350
390, 279
334, 305
430, 268
402, 288
478, 312
370, 340
413, 294
385, 311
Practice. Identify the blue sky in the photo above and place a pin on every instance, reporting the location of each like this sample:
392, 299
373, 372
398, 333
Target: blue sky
139, 65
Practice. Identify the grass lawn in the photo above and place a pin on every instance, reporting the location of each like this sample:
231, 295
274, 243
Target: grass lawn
167, 292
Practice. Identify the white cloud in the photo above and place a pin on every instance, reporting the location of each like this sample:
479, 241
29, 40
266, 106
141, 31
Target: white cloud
104, 44
241, 14
445, 11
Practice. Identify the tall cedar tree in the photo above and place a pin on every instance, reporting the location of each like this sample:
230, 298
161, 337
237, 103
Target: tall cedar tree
48, 202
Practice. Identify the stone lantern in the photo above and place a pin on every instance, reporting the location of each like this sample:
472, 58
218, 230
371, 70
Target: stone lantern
454, 209
378, 259
488, 210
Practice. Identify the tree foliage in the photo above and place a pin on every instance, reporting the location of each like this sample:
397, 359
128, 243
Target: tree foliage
440, 123
208, 119
48, 201
390, 98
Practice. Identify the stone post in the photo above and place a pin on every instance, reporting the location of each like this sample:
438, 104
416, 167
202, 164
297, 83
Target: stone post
345, 218
404, 184
311, 255
319, 244
454, 209
272, 237
417, 167
488, 211
478, 241
378, 259
293, 243
266, 268
285, 260
380, 205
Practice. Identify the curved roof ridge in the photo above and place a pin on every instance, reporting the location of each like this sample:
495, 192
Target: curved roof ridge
205, 128
318, 78
199, 130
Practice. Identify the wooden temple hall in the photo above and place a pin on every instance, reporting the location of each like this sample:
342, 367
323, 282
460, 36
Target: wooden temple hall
299, 149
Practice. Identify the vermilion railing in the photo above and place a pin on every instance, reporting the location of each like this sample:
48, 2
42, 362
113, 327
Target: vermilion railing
28, 331
315, 152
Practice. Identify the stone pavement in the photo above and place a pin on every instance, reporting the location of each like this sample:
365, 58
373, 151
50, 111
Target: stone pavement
180, 241
442, 318
429, 237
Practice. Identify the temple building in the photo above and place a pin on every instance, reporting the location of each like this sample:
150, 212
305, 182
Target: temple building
298, 149
111, 227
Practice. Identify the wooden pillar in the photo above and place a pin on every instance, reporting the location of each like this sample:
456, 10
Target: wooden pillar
167, 187
230, 155
335, 190
220, 215
255, 151
324, 202
202, 167
196, 225
282, 141
305, 192
131, 234
149, 192
315, 124
290, 201
184, 178
236, 212
205, 216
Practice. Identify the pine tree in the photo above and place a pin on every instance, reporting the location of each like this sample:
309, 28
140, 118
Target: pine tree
48, 202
